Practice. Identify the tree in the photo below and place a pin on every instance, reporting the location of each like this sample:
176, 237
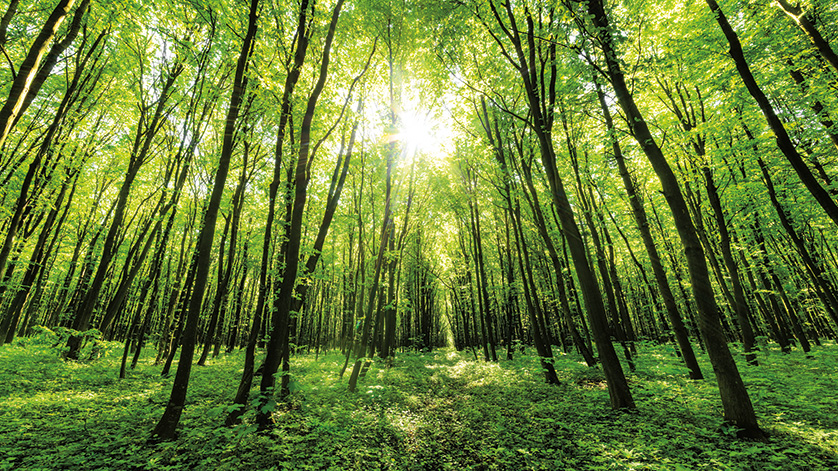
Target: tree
735, 400
166, 427
541, 100
278, 345
806, 24
31, 73
781, 135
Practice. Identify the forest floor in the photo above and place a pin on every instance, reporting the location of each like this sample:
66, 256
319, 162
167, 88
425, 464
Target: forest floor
436, 411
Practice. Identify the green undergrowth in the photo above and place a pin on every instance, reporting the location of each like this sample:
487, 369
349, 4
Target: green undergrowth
435, 411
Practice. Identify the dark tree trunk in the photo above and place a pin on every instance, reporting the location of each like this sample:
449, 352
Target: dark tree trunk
783, 141
807, 24
166, 428
386, 232
740, 306
220, 294
243, 391
28, 70
240, 297
483, 292
640, 218
531, 195
735, 400
139, 155
33, 268
541, 124
34, 172
544, 353
280, 319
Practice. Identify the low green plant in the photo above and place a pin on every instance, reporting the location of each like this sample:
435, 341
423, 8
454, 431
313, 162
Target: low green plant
432, 411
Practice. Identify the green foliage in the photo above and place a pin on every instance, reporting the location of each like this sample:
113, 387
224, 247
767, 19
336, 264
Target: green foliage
55, 341
432, 411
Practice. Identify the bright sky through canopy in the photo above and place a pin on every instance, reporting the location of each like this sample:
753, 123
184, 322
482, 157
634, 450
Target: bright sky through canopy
424, 132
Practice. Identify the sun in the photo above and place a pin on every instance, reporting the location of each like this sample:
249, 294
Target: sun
416, 131
423, 134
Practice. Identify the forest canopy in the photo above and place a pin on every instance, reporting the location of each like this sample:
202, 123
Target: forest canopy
251, 183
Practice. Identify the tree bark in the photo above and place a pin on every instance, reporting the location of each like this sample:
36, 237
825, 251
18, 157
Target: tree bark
166, 427
807, 25
541, 112
139, 154
783, 141
278, 345
28, 70
735, 400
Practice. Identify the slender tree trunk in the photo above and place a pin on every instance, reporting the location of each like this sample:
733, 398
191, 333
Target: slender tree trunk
544, 354
486, 315
386, 232
806, 24
28, 70
531, 195
302, 42
43, 152
166, 428
33, 268
220, 295
640, 218
541, 124
278, 345
735, 400
743, 311
783, 141
139, 154
240, 296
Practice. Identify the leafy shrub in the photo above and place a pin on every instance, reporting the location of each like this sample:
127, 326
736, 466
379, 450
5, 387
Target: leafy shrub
591, 377
56, 341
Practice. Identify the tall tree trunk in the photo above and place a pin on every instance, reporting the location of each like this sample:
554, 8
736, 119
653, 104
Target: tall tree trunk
139, 155
43, 152
243, 391
735, 400
743, 311
486, 315
278, 345
531, 195
541, 124
33, 268
807, 24
783, 141
220, 294
133, 265
689, 120
544, 353
166, 427
28, 70
386, 232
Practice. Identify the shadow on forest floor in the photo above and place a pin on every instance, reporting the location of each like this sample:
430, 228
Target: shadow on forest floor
434, 411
